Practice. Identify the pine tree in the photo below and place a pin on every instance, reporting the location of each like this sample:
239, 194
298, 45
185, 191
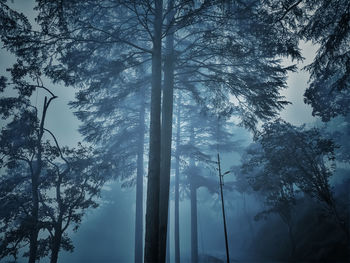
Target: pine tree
327, 25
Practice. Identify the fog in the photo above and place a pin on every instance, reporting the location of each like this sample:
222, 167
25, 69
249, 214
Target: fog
98, 118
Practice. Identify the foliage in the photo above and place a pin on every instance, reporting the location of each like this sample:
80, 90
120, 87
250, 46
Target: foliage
44, 188
230, 62
202, 135
327, 25
313, 157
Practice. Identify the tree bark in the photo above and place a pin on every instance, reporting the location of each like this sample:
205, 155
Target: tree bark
168, 239
56, 242
193, 196
194, 231
138, 250
177, 185
34, 232
153, 187
166, 134
57, 238
33, 238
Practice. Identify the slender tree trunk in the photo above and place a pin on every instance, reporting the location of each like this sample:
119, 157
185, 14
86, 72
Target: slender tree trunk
166, 134
57, 238
194, 231
168, 239
138, 250
177, 185
34, 232
193, 197
153, 187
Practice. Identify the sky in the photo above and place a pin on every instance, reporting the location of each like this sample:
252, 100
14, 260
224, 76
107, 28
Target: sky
60, 118
298, 112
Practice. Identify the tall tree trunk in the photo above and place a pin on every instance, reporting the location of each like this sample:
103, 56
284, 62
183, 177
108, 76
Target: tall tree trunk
166, 133
194, 231
168, 239
177, 184
34, 232
193, 197
153, 187
57, 238
138, 250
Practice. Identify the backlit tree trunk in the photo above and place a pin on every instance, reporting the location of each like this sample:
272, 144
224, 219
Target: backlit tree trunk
193, 197
194, 231
34, 232
166, 135
152, 207
177, 185
138, 253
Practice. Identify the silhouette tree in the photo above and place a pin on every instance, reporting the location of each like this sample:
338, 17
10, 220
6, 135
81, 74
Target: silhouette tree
309, 170
275, 186
34, 167
326, 24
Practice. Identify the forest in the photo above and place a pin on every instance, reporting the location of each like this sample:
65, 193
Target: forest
174, 131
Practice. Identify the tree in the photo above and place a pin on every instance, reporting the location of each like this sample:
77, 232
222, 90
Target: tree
198, 135
276, 186
226, 59
309, 170
77, 188
326, 24
22, 140
117, 127
338, 130
34, 166
328, 93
